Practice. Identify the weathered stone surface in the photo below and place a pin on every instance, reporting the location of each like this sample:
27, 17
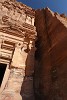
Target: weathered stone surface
17, 50
51, 56
44, 71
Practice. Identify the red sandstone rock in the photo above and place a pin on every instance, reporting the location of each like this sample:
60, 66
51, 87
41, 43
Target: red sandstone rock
50, 66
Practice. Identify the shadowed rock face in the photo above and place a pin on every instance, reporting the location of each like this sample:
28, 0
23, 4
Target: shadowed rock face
51, 56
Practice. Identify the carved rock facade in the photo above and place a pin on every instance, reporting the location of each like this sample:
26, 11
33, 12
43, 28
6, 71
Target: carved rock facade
27, 73
17, 49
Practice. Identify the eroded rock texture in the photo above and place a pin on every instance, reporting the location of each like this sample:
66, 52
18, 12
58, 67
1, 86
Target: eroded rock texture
30, 75
17, 50
51, 56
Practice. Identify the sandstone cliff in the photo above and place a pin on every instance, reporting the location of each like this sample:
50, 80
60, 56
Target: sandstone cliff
51, 56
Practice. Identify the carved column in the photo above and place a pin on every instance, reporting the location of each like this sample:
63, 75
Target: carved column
0, 43
33, 21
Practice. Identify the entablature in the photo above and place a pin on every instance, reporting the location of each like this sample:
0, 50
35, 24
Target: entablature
18, 31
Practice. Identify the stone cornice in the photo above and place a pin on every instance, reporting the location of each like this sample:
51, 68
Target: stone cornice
18, 30
12, 31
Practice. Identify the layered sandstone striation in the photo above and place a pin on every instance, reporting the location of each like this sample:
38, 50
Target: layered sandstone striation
51, 56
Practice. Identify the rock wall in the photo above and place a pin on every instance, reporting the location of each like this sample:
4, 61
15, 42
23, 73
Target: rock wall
51, 56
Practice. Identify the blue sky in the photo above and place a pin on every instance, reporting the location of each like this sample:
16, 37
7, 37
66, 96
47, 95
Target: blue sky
59, 6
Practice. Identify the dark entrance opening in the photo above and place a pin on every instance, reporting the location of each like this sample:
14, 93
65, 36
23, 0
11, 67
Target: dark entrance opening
2, 71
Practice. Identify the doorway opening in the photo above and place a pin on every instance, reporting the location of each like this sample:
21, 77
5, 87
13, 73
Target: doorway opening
2, 71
